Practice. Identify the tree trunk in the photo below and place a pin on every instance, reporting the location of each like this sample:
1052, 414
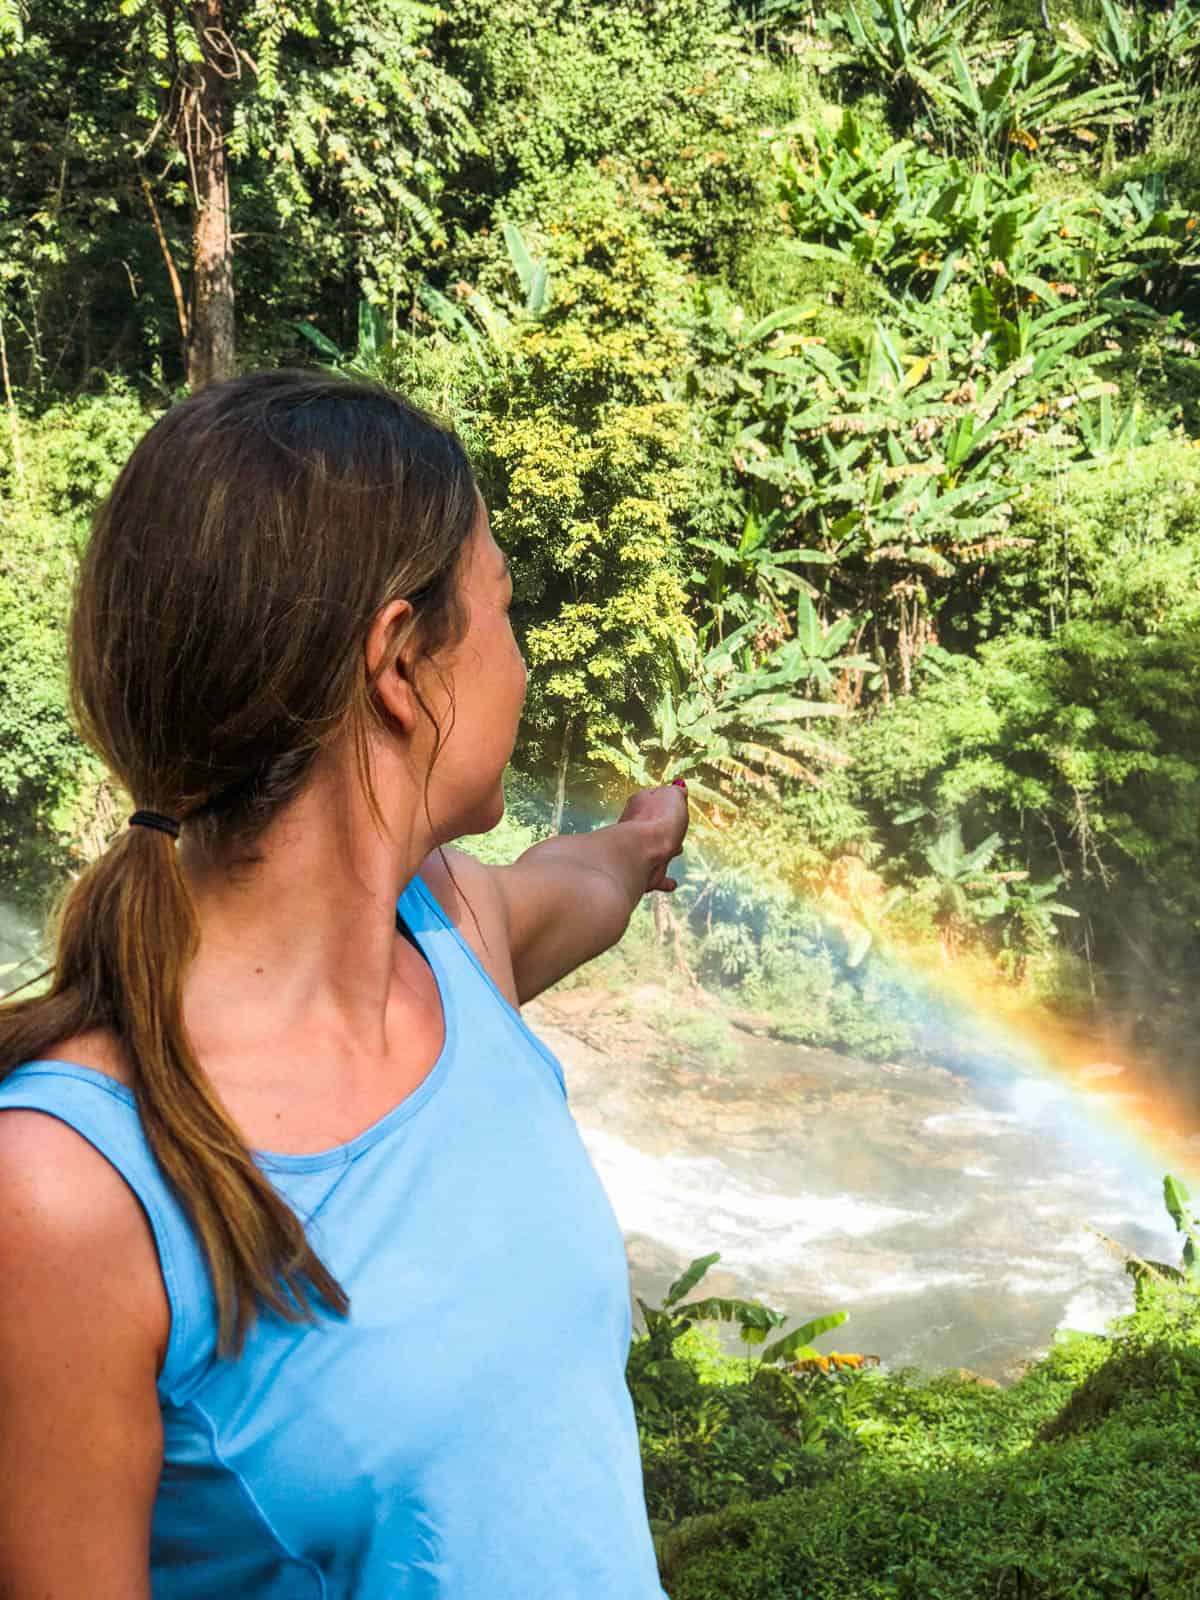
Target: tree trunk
211, 346
177, 291
561, 795
904, 643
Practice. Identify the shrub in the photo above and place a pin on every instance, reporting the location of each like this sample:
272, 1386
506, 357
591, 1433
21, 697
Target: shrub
71, 453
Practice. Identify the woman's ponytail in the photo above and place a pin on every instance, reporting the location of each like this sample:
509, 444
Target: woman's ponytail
127, 934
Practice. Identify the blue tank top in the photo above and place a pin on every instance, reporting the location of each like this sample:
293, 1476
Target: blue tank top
465, 1433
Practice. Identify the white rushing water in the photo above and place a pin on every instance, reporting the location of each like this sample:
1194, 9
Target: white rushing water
967, 1242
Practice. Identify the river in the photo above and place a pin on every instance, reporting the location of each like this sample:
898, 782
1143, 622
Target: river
946, 1215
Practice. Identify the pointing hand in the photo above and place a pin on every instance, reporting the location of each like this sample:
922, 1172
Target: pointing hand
664, 809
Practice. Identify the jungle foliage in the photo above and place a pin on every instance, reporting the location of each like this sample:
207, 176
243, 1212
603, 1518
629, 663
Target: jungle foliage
799, 1477
830, 375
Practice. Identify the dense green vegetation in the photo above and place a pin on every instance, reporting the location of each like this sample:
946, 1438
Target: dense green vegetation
830, 373
793, 1477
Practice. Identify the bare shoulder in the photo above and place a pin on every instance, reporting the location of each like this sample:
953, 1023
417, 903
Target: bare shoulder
57, 1181
75, 1206
472, 875
480, 894
72, 1229
81, 1433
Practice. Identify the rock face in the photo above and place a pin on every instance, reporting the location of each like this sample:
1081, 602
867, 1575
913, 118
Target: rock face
929, 1207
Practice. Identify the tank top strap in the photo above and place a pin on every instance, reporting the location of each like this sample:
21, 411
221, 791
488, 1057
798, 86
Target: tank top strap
475, 990
105, 1113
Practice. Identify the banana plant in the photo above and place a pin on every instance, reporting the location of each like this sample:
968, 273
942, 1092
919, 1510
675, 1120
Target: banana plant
1176, 1197
372, 338
715, 720
1026, 913
862, 923
1141, 49
488, 338
763, 571
1027, 99
886, 485
895, 40
953, 863
923, 221
960, 875
852, 196
534, 275
756, 562
1153, 1281
894, 36
1152, 1278
495, 322
667, 1322
887, 458
896, 208
814, 657
1107, 432
1131, 239
1036, 335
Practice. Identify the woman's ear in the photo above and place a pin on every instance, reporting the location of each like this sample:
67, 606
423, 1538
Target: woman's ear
390, 643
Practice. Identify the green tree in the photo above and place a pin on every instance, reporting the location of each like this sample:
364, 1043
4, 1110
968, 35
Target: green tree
230, 142
587, 469
48, 781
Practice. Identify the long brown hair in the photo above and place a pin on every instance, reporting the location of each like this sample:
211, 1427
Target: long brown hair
216, 646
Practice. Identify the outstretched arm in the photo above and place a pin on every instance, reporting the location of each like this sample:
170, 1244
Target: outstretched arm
568, 899
565, 900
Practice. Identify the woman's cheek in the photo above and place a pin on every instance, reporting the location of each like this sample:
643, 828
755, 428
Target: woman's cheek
521, 662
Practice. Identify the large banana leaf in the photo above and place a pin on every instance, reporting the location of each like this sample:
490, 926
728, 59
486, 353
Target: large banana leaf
769, 708
796, 1346
778, 319
519, 254
690, 1278
1176, 1197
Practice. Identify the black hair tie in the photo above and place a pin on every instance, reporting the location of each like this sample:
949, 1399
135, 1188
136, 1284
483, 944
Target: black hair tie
155, 819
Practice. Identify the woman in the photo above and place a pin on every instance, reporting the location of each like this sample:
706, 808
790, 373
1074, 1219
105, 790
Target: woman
307, 1284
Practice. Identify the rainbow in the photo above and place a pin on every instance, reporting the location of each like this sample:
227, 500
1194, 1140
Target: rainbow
1137, 1108
1131, 1104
